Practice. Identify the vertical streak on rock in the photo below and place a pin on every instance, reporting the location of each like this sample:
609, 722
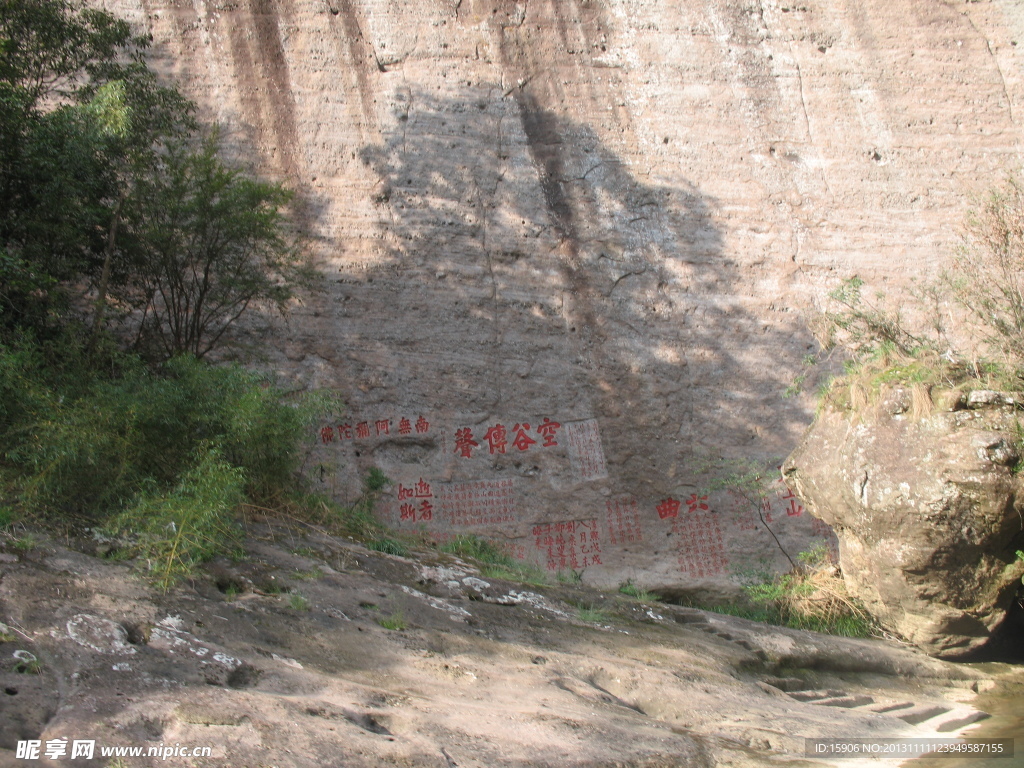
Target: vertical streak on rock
541, 100
360, 54
267, 98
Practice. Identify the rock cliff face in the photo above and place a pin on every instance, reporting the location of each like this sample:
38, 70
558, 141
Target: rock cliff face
928, 514
567, 242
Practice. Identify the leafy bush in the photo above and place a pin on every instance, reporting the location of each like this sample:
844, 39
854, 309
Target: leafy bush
92, 449
167, 456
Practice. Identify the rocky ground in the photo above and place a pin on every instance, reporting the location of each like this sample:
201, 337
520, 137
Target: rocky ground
284, 659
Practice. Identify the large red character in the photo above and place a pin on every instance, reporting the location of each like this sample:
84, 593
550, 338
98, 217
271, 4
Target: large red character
496, 438
522, 441
668, 508
696, 502
464, 442
547, 430
426, 510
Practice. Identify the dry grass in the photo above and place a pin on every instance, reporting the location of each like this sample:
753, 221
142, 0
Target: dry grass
813, 596
922, 382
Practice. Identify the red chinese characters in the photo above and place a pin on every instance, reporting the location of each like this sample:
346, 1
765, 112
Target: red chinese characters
623, 517
570, 544
477, 502
547, 430
377, 428
464, 442
668, 508
426, 510
522, 441
695, 503
700, 550
496, 438
327, 435
586, 454
409, 511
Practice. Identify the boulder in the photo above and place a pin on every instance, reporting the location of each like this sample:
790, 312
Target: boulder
928, 512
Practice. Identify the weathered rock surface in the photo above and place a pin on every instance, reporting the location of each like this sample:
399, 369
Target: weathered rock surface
928, 514
486, 673
606, 213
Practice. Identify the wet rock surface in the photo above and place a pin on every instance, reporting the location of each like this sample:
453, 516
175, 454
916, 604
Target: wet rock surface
928, 514
484, 673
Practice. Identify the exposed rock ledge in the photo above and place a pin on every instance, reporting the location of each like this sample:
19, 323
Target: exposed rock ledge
487, 673
928, 512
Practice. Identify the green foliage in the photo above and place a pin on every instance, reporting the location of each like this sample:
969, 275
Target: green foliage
750, 480
495, 561
106, 184
310, 575
205, 243
483, 550
92, 446
395, 622
375, 480
591, 614
1020, 558
812, 596
80, 114
631, 589
988, 273
569, 577
30, 667
298, 603
166, 456
524, 573
865, 327
8, 517
981, 297
190, 524
25, 543
389, 546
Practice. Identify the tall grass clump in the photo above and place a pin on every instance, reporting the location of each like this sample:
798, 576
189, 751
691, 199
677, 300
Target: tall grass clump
191, 522
812, 596
495, 561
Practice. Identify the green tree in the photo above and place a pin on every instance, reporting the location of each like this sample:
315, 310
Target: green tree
79, 113
206, 244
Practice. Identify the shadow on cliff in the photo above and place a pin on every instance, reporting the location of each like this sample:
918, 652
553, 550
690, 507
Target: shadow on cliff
555, 275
